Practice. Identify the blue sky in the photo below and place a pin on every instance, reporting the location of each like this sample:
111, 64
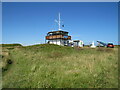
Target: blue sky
28, 22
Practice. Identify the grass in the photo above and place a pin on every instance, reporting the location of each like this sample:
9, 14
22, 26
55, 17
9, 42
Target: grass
10, 45
53, 66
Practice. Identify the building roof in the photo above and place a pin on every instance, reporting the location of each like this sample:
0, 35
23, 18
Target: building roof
60, 31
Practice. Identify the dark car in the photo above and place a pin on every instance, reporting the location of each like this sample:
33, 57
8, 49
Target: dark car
110, 45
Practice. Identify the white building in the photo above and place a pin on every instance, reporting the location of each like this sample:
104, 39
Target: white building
77, 43
61, 37
58, 37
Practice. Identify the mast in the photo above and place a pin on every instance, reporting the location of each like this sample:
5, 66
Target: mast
59, 22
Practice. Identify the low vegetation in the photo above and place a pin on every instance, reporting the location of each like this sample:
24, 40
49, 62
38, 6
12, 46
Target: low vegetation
10, 45
53, 66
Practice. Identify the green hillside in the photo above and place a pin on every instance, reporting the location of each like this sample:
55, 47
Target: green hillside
10, 45
53, 66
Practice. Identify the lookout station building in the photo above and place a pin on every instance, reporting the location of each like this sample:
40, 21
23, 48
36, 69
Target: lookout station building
58, 37
61, 37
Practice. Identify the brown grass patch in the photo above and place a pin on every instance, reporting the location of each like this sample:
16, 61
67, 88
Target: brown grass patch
105, 49
55, 55
78, 48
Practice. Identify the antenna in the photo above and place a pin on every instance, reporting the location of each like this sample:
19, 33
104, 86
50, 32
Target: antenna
59, 22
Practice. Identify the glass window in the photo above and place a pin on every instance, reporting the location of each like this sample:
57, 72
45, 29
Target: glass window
65, 36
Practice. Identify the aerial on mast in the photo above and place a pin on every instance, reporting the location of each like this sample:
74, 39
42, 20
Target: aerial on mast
59, 22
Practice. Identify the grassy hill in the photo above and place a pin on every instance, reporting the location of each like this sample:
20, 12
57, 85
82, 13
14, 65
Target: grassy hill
10, 45
53, 66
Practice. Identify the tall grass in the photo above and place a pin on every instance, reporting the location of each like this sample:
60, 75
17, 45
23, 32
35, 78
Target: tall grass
52, 66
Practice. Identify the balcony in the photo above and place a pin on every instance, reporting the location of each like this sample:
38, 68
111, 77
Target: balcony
54, 37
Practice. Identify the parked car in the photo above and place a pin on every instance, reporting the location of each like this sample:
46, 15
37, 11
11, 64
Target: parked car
110, 45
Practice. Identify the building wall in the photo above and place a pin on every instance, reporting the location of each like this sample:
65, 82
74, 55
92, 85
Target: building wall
58, 42
67, 42
78, 44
